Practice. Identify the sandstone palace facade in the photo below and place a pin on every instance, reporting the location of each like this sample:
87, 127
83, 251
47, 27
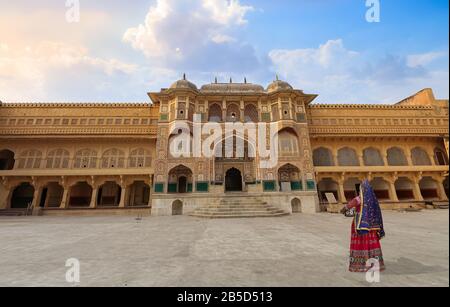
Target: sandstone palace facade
89, 158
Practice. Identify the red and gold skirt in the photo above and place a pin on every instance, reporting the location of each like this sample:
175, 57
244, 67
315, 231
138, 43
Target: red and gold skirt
363, 248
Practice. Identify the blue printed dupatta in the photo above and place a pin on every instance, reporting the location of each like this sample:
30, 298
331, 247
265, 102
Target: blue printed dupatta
369, 218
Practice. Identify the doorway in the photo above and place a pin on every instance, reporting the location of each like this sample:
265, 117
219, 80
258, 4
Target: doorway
182, 185
233, 180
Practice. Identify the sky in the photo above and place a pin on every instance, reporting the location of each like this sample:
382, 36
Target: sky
119, 50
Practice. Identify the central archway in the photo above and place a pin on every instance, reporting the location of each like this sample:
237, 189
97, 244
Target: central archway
233, 180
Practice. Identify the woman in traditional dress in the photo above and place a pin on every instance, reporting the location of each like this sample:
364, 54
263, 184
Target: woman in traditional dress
367, 230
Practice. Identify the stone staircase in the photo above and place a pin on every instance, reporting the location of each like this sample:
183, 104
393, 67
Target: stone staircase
14, 212
238, 207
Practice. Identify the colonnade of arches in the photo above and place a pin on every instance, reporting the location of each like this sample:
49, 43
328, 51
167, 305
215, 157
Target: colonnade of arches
81, 194
402, 188
84, 158
371, 156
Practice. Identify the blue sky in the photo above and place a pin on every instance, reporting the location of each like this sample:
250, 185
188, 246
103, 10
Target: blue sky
120, 50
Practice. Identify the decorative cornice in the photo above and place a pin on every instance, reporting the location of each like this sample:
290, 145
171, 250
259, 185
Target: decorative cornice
368, 106
76, 104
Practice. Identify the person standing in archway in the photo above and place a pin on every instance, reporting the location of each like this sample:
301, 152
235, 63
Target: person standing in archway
367, 230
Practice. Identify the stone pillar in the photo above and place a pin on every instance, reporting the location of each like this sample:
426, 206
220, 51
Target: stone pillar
385, 159
341, 192
65, 198
93, 203
408, 156
5, 197
416, 190
361, 160
122, 196
36, 196
441, 190
392, 191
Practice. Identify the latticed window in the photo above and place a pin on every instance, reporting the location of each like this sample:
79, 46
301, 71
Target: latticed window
113, 158
181, 110
420, 157
396, 157
30, 159
372, 157
233, 112
140, 158
288, 144
275, 113
85, 158
347, 157
251, 113
58, 158
215, 113
323, 157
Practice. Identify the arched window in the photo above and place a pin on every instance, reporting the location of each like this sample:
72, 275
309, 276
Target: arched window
288, 143
181, 110
140, 158
420, 157
113, 158
440, 157
347, 157
215, 113
396, 157
85, 158
251, 113
30, 159
323, 157
372, 157
58, 158
233, 113
275, 113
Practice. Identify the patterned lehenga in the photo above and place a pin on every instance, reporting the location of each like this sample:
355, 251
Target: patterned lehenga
367, 231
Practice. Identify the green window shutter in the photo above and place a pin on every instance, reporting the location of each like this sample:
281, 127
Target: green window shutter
269, 186
311, 185
159, 187
172, 188
202, 187
296, 186
189, 188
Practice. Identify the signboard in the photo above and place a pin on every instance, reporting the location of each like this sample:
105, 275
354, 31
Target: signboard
331, 199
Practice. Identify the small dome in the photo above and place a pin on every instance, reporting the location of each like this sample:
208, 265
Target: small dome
184, 84
279, 85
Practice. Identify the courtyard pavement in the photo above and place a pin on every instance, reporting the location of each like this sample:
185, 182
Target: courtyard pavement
298, 250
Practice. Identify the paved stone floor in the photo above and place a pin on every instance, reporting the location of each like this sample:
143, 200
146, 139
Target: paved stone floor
298, 250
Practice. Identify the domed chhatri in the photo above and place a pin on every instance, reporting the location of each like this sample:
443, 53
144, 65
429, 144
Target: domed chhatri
279, 85
184, 84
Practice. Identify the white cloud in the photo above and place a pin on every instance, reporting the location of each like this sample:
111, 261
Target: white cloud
424, 58
182, 34
36, 71
340, 75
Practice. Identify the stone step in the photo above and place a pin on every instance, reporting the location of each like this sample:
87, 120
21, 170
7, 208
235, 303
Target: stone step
224, 216
238, 208
13, 212
238, 212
